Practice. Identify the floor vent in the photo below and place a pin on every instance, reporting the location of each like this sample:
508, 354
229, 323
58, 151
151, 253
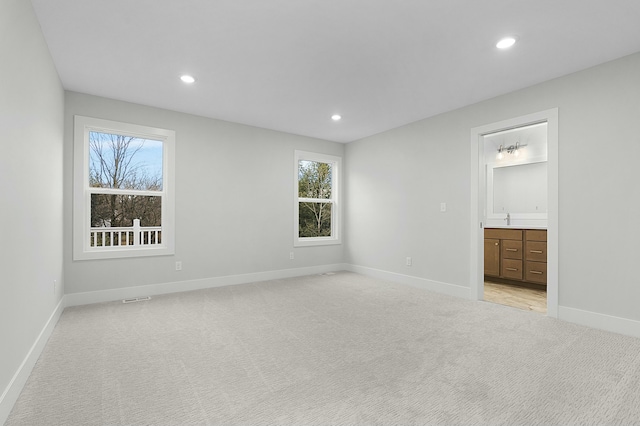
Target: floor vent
328, 273
136, 299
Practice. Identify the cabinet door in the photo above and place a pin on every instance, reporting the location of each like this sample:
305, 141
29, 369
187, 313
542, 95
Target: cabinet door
492, 257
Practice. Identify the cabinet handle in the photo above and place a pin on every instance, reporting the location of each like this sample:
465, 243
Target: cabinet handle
535, 251
512, 269
510, 249
497, 244
536, 272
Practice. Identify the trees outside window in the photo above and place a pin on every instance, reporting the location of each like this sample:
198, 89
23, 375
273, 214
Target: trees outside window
314, 183
316, 212
123, 179
125, 163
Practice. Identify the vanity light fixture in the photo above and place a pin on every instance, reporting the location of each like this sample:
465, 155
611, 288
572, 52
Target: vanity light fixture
511, 149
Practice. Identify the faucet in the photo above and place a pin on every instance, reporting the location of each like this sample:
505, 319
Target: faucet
508, 219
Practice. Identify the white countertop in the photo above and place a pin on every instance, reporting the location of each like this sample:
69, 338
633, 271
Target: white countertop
515, 227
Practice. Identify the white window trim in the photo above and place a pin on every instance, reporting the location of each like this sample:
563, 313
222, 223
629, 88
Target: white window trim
82, 198
336, 209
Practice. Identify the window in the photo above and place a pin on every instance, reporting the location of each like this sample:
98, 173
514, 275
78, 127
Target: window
123, 183
317, 209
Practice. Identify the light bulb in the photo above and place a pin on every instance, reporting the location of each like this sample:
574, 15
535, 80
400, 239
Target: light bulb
506, 43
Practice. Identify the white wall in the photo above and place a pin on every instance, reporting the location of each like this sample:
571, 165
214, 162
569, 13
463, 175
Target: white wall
396, 181
234, 201
31, 137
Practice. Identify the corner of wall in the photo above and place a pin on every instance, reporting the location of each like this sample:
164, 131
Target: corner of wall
423, 283
15, 386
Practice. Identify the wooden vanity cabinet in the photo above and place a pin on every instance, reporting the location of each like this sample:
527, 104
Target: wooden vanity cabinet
536, 256
516, 254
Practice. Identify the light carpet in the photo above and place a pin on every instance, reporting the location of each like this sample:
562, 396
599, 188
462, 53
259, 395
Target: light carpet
322, 350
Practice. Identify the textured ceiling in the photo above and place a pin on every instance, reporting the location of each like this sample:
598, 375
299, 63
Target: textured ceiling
289, 65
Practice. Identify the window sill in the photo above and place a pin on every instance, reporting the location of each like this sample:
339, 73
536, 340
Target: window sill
320, 241
123, 253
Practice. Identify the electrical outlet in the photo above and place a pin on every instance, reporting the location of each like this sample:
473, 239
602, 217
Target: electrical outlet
408, 261
178, 266
291, 256
55, 286
443, 207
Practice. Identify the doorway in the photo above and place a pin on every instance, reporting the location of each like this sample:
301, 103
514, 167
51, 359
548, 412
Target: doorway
483, 215
515, 214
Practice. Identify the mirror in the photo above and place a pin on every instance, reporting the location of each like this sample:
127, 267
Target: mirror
520, 188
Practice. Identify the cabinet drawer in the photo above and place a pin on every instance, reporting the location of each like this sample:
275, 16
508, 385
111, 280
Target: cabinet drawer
511, 249
536, 251
503, 234
535, 235
512, 268
536, 272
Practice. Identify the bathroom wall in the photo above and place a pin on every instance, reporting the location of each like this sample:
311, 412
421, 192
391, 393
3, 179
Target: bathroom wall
516, 184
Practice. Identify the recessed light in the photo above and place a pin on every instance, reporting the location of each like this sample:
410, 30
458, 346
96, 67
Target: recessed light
506, 43
336, 117
187, 79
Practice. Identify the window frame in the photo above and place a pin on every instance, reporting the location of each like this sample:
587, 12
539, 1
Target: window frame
336, 208
82, 249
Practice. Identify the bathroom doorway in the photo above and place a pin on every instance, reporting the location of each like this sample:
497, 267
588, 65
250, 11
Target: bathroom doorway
515, 217
519, 249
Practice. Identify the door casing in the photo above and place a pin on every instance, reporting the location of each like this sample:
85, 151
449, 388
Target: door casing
478, 190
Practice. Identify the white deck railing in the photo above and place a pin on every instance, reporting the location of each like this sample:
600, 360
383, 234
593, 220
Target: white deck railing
126, 236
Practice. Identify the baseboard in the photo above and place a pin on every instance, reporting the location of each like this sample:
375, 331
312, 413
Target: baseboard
19, 379
605, 322
86, 298
423, 283
596, 320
